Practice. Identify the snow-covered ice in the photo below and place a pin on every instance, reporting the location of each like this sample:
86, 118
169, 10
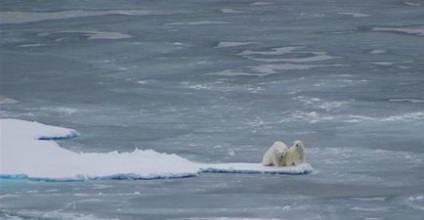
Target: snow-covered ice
29, 151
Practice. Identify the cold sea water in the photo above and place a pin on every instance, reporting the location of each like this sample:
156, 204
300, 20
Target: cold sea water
217, 81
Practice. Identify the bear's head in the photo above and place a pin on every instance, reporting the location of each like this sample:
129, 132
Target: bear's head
298, 145
281, 152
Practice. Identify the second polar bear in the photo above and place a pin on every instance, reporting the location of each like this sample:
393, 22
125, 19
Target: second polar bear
275, 155
295, 155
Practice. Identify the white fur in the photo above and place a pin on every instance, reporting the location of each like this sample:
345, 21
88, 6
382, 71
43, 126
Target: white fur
295, 155
275, 154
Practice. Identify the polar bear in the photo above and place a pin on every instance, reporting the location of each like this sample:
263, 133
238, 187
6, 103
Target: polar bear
275, 154
295, 155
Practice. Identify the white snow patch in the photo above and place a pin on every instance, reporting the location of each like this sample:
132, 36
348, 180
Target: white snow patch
23, 152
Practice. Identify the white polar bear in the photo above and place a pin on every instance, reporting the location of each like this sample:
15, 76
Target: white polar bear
275, 154
295, 155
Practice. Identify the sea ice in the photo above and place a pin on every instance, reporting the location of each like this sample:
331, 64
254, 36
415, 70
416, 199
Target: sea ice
28, 150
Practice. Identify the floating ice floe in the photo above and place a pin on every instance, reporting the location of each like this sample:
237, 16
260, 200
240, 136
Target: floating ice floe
28, 151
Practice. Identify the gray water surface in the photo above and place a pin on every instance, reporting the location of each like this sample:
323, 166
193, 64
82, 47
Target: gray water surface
220, 81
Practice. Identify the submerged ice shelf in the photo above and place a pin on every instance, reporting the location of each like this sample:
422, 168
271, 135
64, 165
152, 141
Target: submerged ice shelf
28, 150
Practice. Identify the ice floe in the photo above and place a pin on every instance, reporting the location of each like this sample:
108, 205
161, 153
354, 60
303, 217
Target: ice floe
28, 151
254, 168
